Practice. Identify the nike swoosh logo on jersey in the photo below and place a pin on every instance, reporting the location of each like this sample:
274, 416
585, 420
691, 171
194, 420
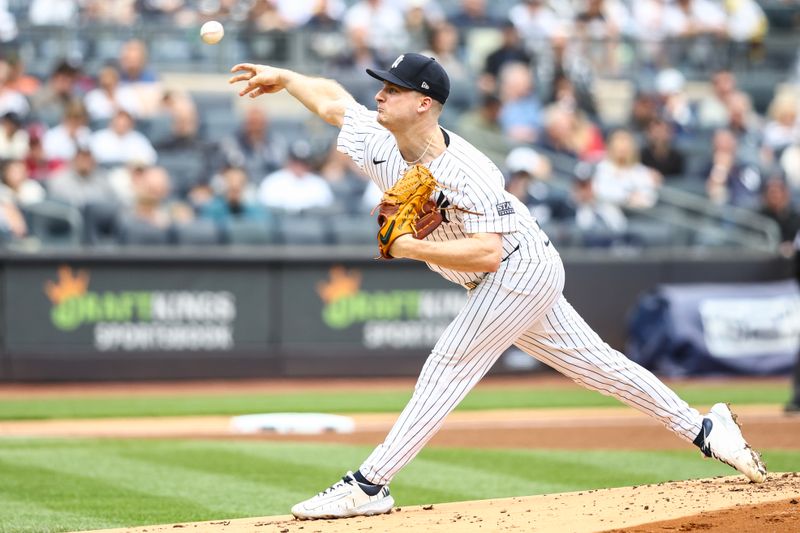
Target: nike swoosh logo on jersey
387, 234
509, 253
376, 162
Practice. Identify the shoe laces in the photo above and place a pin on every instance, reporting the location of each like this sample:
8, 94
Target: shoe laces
346, 480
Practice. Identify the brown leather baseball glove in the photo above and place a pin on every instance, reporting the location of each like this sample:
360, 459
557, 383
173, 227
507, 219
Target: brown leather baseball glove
407, 208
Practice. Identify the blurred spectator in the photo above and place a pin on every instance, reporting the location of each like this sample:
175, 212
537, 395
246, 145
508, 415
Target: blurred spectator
326, 15
589, 140
384, 23
133, 63
472, 14
777, 205
104, 101
12, 222
528, 180
651, 28
344, 178
119, 12
746, 21
729, 180
783, 128
235, 200
50, 101
8, 23
621, 179
19, 80
790, 165
295, 187
53, 12
253, 147
674, 102
693, 25
443, 42
61, 141
565, 95
659, 152
17, 186
559, 126
39, 167
295, 14
162, 11
691, 18
11, 100
564, 60
151, 206
644, 110
521, 113
14, 139
119, 143
481, 127
264, 16
712, 110
599, 221
793, 405
352, 61
81, 183
418, 27
746, 126
536, 22
598, 28
185, 129
511, 50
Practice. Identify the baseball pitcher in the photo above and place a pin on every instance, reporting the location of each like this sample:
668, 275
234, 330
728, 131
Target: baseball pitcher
444, 203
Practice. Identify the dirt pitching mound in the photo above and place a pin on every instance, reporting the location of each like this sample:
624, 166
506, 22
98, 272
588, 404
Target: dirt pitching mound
705, 504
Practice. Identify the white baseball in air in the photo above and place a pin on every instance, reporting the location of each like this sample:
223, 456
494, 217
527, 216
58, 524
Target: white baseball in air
212, 32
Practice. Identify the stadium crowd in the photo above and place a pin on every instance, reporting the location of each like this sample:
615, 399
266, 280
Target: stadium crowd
140, 164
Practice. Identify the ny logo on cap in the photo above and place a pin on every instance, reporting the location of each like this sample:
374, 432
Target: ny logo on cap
398, 60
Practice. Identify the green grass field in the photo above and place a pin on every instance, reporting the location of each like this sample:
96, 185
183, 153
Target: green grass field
51, 485
62, 485
359, 401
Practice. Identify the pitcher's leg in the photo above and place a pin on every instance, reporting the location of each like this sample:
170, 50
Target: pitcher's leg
563, 340
496, 313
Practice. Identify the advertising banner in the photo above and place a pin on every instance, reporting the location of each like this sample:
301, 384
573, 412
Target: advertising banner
105, 309
380, 308
701, 329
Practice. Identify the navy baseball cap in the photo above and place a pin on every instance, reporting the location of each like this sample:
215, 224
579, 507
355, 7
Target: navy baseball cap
418, 72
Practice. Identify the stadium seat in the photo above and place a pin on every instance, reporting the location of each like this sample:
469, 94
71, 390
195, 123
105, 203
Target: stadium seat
251, 232
197, 233
354, 229
54, 223
135, 232
158, 128
101, 225
304, 229
186, 168
650, 233
218, 123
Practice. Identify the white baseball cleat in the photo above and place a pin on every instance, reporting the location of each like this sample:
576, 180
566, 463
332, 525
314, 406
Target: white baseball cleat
346, 498
722, 439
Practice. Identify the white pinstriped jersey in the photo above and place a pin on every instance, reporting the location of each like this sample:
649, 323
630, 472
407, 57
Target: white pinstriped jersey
470, 181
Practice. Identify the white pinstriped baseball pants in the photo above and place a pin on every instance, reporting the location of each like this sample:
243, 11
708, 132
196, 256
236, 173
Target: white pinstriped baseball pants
520, 304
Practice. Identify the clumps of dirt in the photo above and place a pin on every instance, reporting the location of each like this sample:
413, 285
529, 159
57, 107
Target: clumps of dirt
775, 517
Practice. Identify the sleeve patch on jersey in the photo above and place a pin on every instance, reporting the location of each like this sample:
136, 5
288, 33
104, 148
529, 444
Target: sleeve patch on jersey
505, 208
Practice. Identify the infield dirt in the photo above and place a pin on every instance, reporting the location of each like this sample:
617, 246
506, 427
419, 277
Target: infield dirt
730, 504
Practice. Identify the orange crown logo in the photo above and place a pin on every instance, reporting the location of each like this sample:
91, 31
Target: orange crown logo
341, 285
69, 285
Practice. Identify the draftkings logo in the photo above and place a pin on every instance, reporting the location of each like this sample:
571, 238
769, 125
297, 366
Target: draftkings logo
141, 320
411, 318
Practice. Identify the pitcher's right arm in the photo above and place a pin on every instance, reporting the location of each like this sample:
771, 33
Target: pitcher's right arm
323, 97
